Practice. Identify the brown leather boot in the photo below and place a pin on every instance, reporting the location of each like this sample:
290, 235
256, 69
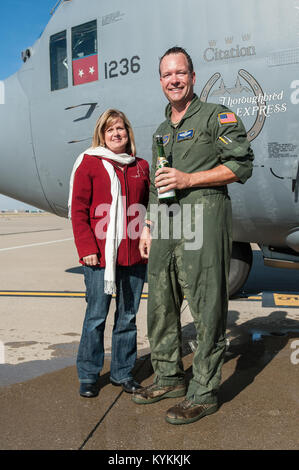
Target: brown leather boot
154, 392
187, 412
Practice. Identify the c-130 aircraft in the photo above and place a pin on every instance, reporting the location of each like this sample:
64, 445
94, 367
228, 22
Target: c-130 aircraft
96, 54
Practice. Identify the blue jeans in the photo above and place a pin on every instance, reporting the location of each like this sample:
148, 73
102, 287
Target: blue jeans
90, 359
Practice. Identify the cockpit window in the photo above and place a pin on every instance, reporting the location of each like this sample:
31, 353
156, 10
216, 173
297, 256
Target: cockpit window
58, 61
85, 53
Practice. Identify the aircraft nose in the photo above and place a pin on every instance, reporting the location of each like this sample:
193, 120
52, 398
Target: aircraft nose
293, 239
16, 153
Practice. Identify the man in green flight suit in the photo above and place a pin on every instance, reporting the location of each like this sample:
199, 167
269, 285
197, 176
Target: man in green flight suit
208, 148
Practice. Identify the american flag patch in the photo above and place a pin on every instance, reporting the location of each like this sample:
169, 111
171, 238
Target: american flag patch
227, 118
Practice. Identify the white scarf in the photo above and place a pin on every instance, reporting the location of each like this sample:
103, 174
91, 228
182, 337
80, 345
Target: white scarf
115, 227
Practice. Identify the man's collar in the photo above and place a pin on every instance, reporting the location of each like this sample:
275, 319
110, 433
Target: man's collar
192, 108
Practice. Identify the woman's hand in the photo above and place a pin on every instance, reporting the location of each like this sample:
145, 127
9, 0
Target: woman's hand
91, 260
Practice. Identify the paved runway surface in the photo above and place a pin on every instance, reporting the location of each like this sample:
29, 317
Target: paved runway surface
41, 311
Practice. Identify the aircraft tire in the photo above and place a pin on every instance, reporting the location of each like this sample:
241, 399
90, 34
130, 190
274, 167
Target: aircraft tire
240, 266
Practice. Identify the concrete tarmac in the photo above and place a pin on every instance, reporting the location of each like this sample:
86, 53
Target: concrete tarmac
42, 308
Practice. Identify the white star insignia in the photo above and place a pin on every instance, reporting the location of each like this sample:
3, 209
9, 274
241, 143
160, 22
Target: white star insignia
91, 70
81, 73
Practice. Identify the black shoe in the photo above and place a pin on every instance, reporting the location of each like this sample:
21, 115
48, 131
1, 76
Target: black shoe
130, 386
89, 390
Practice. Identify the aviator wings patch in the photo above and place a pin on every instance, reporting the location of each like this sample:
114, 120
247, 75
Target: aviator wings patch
185, 135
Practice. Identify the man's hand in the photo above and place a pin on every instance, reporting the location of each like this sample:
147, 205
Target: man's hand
91, 260
170, 178
145, 243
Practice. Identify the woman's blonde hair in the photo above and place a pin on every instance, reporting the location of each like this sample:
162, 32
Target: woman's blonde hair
104, 121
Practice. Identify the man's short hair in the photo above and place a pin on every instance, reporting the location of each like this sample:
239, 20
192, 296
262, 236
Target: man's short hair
177, 50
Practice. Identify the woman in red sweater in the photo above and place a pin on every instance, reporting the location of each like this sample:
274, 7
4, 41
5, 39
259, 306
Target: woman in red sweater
108, 197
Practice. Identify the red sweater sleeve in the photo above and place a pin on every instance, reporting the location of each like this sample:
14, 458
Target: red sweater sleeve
82, 194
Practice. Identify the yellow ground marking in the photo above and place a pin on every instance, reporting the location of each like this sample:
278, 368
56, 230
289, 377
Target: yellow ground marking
48, 294
291, 300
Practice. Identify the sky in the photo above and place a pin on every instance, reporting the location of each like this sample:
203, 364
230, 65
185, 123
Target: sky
21, 23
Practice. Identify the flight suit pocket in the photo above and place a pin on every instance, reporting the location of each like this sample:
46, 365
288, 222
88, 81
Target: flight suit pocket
202, 145
197, 156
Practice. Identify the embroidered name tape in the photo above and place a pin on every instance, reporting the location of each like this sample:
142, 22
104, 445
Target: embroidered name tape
184, 135
227, 118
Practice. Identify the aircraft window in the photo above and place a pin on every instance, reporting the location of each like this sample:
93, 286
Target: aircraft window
58, 61
85, 53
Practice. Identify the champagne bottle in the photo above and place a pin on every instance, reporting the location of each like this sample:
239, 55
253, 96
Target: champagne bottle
162, 162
